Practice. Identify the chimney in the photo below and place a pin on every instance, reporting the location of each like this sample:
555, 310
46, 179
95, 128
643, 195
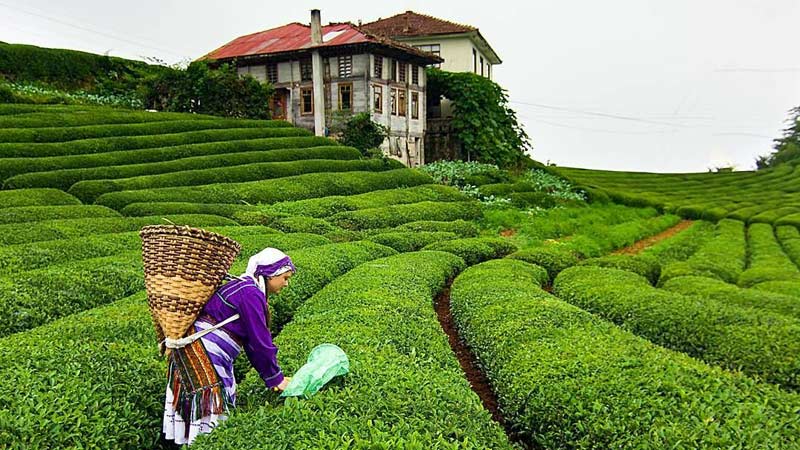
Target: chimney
316, 27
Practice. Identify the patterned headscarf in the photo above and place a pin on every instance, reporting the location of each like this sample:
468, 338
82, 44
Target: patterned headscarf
267, 263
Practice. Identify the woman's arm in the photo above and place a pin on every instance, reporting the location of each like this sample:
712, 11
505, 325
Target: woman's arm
261, 351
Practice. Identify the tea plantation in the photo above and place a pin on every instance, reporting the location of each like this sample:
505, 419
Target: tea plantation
624, 310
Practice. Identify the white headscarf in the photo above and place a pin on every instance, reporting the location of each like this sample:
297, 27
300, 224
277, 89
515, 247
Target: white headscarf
269, 262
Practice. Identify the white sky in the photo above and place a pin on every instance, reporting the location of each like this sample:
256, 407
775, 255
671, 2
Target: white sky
669, 85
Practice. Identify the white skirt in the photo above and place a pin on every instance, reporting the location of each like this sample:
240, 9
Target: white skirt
175, 426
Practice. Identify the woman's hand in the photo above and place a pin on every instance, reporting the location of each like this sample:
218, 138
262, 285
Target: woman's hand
284, 384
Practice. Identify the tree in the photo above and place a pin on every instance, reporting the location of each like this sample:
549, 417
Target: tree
487, 128
205, 90
787, 147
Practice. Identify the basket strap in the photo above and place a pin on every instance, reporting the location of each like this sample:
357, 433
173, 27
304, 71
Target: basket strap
184, 341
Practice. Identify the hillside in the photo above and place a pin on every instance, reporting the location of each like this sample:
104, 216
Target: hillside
478, 308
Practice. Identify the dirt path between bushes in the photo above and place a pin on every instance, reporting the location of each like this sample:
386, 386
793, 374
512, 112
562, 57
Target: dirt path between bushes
639, 246
477, 380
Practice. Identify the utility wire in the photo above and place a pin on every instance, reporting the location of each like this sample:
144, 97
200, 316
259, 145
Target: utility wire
601, 114
108, 35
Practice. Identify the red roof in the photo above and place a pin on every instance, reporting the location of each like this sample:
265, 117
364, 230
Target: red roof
410, 24
297, 36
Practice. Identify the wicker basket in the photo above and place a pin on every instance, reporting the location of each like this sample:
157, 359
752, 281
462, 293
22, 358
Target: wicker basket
183, 266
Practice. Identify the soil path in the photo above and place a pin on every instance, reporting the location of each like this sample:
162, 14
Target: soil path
469, 364
639, 246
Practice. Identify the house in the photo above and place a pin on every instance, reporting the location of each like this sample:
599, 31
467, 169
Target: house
324, 74
463, 47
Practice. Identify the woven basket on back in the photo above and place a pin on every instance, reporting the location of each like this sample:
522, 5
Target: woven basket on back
183, 266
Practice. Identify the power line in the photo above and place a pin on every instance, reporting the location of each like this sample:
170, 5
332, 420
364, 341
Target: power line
108, 35
602, 114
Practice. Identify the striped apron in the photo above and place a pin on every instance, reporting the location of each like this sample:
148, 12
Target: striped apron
201, 385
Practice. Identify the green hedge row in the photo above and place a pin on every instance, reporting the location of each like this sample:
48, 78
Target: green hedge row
228, 210
766, 258
791, 288
271, 191
328, 206
316, 267
759, 343
36, 255
731, 294
56, 133
72, 228
791, 219
681, 246
20, 214
114, 144
566, 379
39, 296
411, 241
36, 197
475, 250
722, 257
789, 238
91, 360
63, 179
391, 216
98, 116
303, 224
89, 190
462, 228
646, 266
593, 239
405, 388
15, 166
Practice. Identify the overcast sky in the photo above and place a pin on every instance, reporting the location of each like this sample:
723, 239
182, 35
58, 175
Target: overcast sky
662, 86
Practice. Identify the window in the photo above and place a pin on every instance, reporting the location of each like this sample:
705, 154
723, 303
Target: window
474, 61
415, 105
481, 65
393, 101
436, 49
488, 71
345, 96
306, 101
414, 75
345, 66
402, 76
401, 103
394, 70
377, 99
272, 72
378, 67
306, 69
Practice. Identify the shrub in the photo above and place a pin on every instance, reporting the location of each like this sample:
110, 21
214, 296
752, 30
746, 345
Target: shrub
475, 250
22, 214
71, 228
455, 173
460, 227
63, 179
220, 91
643, 265
734, 295
610, 389
303, 224
15, 166
159, 209
91, 189
553, 258
328, 206
791, 288
390, 216
271, 191
722, 257
767, 261
55, 133
761, 344
410, 241
36, 197
362, 133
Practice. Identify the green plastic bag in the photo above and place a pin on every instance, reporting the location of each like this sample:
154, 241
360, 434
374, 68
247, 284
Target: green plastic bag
325, 362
